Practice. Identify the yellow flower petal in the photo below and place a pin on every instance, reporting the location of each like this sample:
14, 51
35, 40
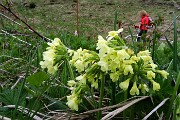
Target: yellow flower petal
163, 73
156, 86
71, 83
124, 85
128, 69
150, 75
134, 90
72, 102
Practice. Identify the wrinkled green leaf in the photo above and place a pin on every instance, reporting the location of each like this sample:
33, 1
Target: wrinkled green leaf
37, 78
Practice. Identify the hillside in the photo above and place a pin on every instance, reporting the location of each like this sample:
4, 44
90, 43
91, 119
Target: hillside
49, 17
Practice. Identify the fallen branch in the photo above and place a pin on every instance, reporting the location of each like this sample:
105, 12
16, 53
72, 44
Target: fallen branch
9, 10
155, 109
119, 110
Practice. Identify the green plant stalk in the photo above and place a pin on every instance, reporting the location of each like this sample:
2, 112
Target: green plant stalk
91, 93
174, 111
125, 98
64, 79
154, 44
176, 107
70, 70
175, 46
18, 97
132, 113
113, 93
99, 116
39, 54
129, 29
172, 48
173, 96
22, 86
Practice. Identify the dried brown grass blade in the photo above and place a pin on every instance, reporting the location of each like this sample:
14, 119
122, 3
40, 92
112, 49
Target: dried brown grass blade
119, 110
157, 107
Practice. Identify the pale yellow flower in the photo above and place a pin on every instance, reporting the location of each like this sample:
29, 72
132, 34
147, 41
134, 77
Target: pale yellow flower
81, 78
72, 102
52, 69
144, 88
128, 62
134, 58
156, 86
71, 83
94, 84
124, 85
104, 65
153, 66
44, 64
128, 69
113, 34
49, 55
143, 53
71, 52
114, 76
134, 90
146, 59
163, 73
101, 42
79, 65
150, 75
113, 66
130, 52
122, 54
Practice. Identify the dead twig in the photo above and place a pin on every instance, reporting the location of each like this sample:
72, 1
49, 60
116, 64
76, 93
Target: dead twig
119, 110
155, 109
9, 10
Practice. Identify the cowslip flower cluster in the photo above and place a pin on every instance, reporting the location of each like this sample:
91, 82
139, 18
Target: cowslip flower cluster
134, 72
139, 69
53, 55
118, 61
82, 58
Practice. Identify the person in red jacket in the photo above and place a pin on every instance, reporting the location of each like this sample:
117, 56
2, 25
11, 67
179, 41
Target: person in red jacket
144, 24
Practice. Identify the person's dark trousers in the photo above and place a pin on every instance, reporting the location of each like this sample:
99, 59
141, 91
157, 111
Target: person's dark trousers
140, 33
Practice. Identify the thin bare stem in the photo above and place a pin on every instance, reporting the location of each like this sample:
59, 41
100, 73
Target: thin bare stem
9, 10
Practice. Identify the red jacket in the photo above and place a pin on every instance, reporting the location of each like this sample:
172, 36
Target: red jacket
144, 22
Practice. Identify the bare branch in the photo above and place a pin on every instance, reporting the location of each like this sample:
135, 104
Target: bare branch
9, 10
155, 109
117, 111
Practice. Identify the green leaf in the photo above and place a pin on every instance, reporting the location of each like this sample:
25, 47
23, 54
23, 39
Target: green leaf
37, 78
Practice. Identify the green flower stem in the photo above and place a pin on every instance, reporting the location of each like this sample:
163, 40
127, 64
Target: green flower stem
132, 113
101, 96
64, 79
173, 97
92, 93
113, 93
175, 46
125, 98
70, 70
154, 44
